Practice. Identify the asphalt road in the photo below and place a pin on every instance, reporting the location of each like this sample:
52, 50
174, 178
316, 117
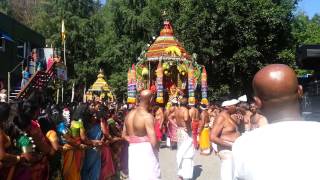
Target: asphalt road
205, 168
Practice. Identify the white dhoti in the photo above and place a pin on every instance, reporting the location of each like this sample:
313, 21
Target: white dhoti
143, 161
214, 147
226, 168
185, 154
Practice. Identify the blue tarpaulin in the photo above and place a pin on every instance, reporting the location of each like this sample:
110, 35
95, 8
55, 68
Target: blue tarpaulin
6, 37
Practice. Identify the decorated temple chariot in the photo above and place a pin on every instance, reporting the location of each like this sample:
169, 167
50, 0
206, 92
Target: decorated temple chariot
169, 71
100, 90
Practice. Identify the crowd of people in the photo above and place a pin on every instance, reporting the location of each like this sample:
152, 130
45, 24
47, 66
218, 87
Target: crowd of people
45, 141
97, 140
251, 146
187, 128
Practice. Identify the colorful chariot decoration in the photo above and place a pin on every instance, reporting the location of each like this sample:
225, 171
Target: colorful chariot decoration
100, 90
168, 70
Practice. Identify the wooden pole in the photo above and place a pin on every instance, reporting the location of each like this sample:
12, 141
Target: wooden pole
65, 63
62, 92
58, 96
149, 76
9, 87
72, 95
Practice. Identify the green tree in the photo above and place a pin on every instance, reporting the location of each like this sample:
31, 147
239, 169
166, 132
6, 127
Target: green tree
82, 27
234, 38
128, 27
4, 6
305, 30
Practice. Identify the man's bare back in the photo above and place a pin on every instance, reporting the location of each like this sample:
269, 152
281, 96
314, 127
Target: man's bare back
170, 115
204, 117
225, 131
139, 122
136, 122
182, 118
194, 114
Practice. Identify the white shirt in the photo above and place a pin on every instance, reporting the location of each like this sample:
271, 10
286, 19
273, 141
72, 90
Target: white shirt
281, 151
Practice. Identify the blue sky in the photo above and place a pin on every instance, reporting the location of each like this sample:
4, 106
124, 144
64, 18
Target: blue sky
310, 7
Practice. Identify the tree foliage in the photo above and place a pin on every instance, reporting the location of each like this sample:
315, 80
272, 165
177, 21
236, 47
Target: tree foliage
234, 38
82, 27
305, 30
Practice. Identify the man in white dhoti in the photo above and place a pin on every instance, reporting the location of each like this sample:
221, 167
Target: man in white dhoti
224, 132
143, 149
186, 150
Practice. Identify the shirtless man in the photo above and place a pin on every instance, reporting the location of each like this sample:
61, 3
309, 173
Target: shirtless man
183, 116
244, 109
158, 124
204, 117
139, 131
224, 133
172, 127
186, 149
256, 119
195, 124
205, 147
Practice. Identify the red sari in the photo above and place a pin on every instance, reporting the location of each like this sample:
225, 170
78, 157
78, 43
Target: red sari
107, 167
39, 170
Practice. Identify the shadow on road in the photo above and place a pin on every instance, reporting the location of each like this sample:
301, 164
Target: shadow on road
197, 171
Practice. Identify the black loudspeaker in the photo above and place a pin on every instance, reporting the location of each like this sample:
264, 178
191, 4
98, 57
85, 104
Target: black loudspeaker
308, 57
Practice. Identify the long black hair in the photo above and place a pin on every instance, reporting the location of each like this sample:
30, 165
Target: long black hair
82, 112
4, 112
18, 119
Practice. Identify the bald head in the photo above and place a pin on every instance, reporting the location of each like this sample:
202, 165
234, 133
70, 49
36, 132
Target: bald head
276, 81
277, 91
145, 96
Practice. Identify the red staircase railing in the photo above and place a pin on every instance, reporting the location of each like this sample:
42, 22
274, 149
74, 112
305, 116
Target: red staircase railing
38, 81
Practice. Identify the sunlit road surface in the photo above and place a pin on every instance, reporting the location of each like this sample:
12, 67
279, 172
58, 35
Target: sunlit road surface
205, 167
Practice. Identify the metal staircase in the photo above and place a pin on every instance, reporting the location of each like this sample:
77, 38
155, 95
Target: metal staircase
39, 80
13, 94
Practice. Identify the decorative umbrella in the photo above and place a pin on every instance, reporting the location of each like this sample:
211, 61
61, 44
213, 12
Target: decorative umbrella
204, 87
159, 81
191, 86
132, 90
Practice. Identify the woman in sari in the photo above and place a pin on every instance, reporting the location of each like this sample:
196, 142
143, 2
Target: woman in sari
107, 167
92, 160
48, 121
8, 160
73, 153
33, 165
31, 109
118, 145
